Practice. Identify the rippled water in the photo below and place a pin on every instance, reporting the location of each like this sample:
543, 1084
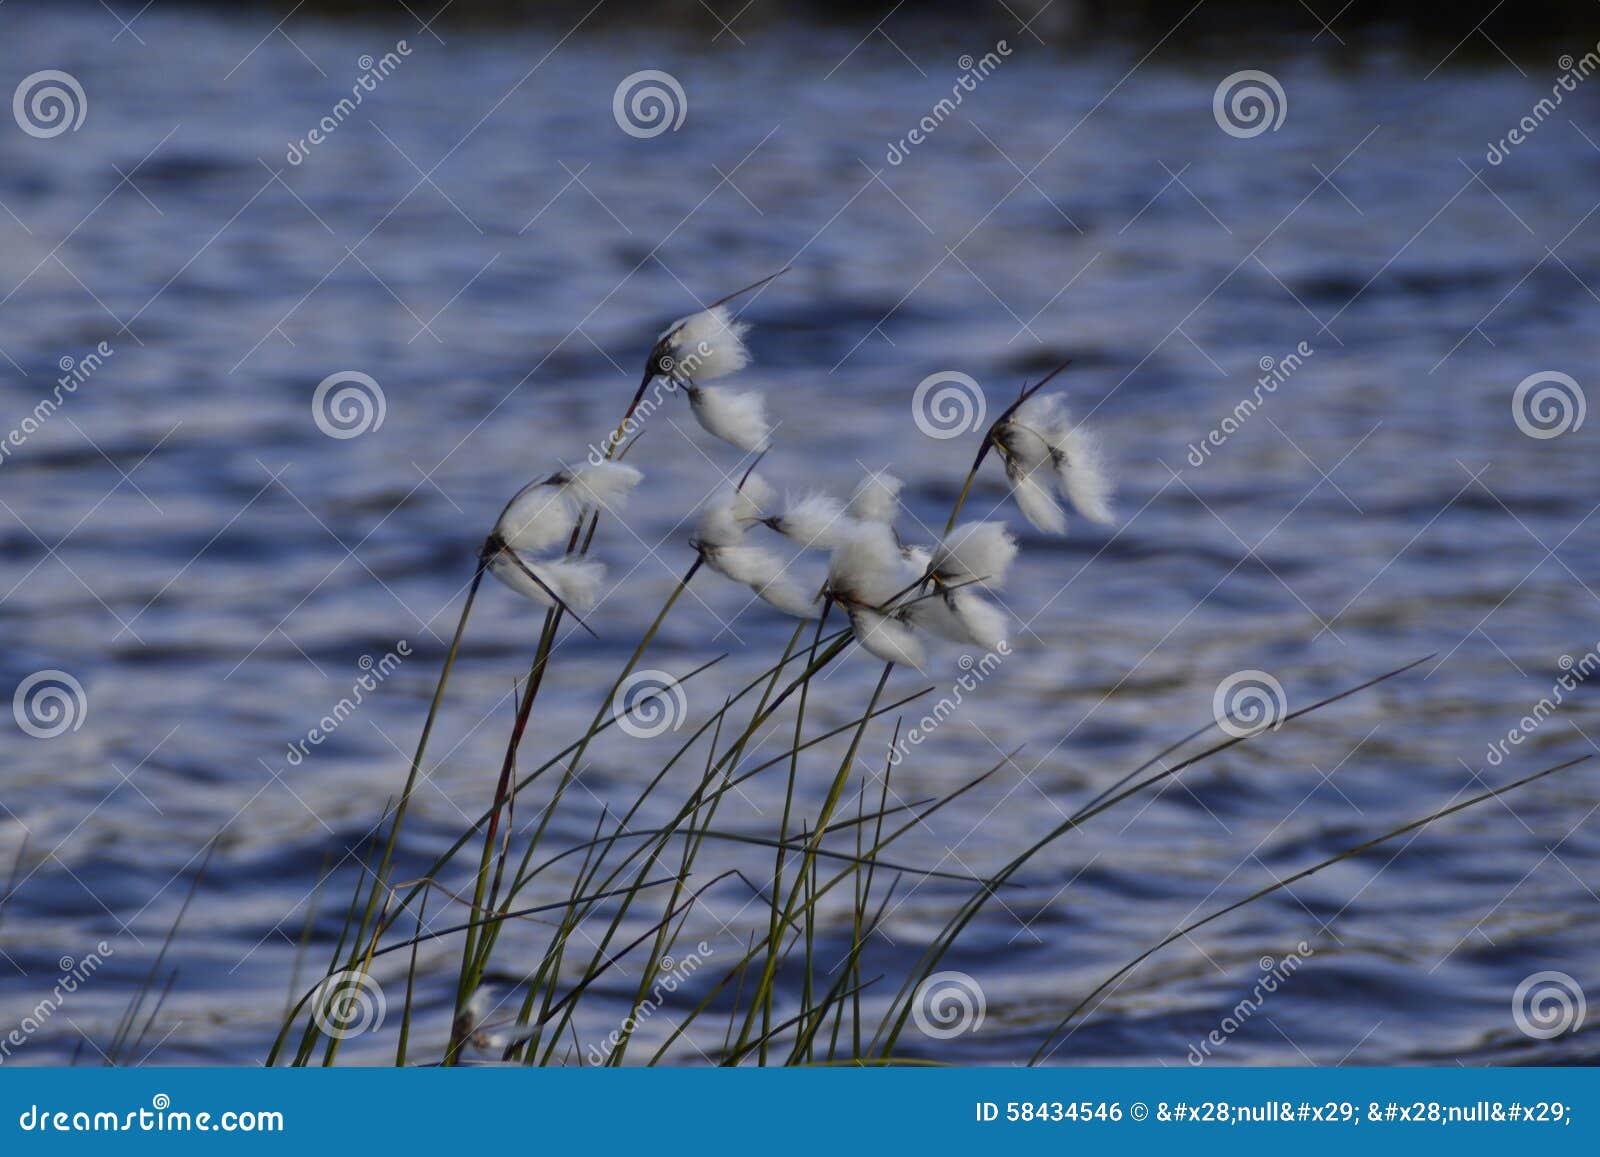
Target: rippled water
482, 239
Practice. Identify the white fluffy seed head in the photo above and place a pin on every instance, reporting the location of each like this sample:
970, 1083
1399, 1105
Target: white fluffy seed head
1042, 433
542, 513
752, 498
537, 517
471, 1022
975, 551
1031, 487
1081, 468
1032, 431
787, 595
576, 582
740, 419
478, 1006
933, 614
1046, 415
764, 572
733, 511
877, 499
866, 567
599, 485
980, 621
706, 345
750, 565
962, 616
814, 520
888, 637
718, 526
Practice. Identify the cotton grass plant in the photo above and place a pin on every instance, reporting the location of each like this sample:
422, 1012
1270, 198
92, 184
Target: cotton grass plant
616, 904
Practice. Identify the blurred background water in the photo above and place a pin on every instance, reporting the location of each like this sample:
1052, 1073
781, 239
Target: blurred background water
484, 240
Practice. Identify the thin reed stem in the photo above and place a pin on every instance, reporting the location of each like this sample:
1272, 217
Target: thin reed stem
1044, 1049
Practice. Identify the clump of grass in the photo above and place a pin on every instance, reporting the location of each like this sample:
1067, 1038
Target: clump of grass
776, 1001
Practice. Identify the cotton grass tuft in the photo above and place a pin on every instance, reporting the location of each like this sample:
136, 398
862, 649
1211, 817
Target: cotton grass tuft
876, 499
703, 346
1045, 451
738, 418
